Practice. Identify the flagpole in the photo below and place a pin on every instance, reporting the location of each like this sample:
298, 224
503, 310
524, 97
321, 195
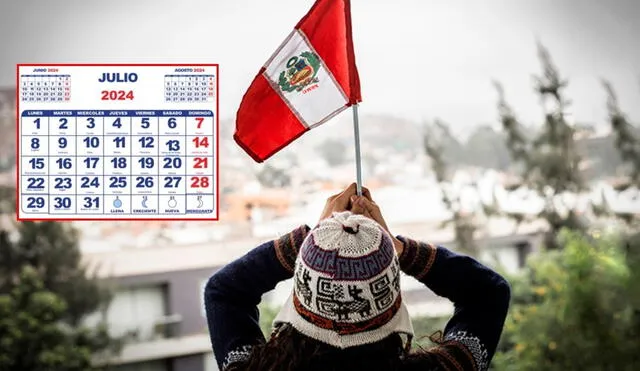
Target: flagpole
356, 133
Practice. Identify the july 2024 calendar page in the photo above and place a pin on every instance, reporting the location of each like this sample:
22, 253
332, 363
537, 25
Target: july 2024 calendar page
117, 142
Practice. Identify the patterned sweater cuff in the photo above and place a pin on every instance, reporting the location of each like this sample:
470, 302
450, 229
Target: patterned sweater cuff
461, 351
287, 247
417, 257
241, 354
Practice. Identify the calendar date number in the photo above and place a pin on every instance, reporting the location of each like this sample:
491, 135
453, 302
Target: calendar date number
117, 95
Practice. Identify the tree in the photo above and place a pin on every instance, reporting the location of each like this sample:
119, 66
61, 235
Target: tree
49, 293
577, 308
32, 337
486, 148
550, 163
603, 156
463, 223
628, 146
516, 140
627, 143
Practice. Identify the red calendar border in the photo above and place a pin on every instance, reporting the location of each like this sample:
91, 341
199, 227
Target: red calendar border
217, 118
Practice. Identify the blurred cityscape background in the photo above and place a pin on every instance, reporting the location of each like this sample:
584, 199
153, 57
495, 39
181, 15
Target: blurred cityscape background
501, 187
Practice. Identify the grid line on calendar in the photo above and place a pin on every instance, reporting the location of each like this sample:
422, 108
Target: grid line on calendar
123, 142
189, 88
150, 179
42, 88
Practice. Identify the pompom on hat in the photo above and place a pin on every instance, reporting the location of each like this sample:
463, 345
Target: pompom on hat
346, 289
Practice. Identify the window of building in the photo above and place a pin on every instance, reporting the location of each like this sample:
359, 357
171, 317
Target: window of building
502, 256
137, 311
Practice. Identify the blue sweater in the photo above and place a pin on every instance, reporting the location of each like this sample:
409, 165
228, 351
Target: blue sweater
480, 296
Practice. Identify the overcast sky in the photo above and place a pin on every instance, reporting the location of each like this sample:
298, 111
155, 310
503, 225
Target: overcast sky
417, 58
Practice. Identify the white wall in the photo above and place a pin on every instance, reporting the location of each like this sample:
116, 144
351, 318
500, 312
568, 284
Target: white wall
143, 366
210, 362
135, 308
502, 257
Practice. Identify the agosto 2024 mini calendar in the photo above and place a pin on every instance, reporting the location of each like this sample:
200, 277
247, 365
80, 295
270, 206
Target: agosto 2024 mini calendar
117, 142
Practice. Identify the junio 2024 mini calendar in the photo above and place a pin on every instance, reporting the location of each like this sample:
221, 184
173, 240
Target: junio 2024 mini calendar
117, 142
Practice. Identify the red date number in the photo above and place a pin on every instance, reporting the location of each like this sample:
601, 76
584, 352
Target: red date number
117, 95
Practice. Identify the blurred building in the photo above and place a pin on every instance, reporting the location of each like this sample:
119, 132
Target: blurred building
7, 132
8, 101
159, 305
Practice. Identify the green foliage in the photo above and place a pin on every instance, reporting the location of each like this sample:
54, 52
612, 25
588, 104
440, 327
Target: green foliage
550, 162
516, 140
267, 315
575, 309
32, 338
554, 160
551, 159
45, 294
626, 141
52, 249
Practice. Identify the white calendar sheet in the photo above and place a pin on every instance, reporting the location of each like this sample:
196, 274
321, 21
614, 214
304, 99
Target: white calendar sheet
117, 142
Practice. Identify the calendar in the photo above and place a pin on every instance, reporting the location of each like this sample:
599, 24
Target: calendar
117, 142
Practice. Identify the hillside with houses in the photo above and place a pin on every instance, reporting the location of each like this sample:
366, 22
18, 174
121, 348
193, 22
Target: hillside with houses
291, 187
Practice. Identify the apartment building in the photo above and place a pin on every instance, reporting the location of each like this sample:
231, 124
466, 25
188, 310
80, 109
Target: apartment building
158, 280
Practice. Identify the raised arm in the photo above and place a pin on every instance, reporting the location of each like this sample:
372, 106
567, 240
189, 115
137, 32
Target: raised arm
480, 296
233, 293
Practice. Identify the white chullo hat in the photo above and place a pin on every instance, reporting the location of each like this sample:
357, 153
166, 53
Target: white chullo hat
347, 284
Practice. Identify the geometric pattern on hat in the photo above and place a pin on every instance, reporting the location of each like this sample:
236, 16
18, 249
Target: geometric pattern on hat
346, 327
346, 288
346, 268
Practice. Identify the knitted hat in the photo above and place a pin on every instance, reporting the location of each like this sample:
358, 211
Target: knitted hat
346, 289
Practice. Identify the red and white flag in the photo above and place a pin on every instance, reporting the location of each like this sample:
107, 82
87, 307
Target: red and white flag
308, 80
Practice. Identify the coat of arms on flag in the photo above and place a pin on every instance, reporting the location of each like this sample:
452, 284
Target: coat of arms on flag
310, 78
301, 72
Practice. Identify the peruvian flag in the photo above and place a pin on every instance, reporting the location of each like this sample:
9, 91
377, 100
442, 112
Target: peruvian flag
308, 80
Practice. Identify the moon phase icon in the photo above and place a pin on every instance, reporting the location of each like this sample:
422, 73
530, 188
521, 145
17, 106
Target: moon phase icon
117, 203
144, 201
200, 203
172, 202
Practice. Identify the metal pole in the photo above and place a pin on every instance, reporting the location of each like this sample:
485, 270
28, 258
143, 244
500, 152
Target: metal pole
356, 132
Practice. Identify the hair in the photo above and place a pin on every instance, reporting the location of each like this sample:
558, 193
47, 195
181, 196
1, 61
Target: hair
290, 350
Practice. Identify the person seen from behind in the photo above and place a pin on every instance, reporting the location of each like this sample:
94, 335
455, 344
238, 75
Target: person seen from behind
345, 312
